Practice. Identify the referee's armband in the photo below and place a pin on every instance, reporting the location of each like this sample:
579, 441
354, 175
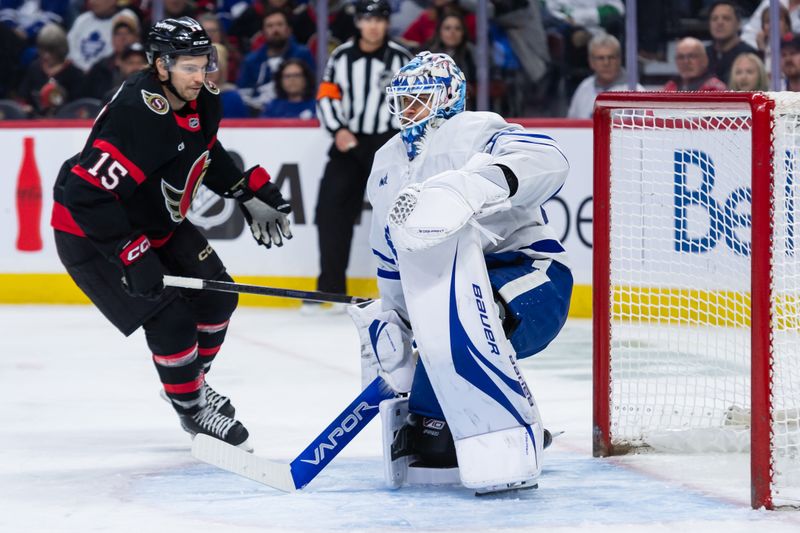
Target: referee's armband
330, 90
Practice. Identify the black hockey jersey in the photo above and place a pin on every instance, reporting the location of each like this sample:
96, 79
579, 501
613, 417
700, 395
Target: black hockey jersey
142, 166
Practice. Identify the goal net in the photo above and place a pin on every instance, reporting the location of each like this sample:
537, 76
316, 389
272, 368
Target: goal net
697, 280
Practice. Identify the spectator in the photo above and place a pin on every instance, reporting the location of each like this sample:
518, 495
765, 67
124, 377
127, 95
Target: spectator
211, 23
748, 74
178, 8
246, 27
294, 87
404, 12
452, 39
232, 104
751, 29
11, 47
762, 39
594, 16
132, 59
255, 79
790, 62
576, 21
352, 108
105, 75
424, 27
521, 21
90, 35
605, 60
28, 17
724, 24
341, 26
51, 80
693, 74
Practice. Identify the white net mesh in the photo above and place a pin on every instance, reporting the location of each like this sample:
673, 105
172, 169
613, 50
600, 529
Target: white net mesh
786, 300
680, 284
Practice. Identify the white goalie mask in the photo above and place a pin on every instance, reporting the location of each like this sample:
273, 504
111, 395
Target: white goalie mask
429, 89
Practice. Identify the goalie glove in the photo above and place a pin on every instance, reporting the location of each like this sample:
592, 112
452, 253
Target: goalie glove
385, 346
264, 208
426, 214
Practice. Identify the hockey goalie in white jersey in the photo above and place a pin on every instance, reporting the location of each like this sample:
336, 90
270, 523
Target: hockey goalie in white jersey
471, 279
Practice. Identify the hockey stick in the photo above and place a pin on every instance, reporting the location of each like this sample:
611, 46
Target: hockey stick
289, 477
227, 286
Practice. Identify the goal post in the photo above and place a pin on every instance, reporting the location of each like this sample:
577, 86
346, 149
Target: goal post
696, 284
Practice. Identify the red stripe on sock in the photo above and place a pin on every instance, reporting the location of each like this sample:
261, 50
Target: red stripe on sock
184, 388
212, 328
177, 355
209, 352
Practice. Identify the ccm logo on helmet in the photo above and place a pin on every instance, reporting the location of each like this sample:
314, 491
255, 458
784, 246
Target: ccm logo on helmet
133, 251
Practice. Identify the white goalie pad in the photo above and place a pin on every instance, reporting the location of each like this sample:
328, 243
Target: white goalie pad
399, 472
471, 364
502, 459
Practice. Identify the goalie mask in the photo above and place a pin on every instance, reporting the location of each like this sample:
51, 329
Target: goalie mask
424, 93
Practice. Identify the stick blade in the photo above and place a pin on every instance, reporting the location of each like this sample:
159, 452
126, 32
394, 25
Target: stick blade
222, 455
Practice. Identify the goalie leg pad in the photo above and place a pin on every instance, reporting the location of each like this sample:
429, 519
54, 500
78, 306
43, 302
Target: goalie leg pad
471, 364
501, 460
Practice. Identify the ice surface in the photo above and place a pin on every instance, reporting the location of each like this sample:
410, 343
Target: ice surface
86, 444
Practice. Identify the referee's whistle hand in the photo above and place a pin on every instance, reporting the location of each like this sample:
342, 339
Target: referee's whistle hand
345, 140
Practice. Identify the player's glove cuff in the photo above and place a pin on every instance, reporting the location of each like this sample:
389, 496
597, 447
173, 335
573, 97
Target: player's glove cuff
142, 273
264, 208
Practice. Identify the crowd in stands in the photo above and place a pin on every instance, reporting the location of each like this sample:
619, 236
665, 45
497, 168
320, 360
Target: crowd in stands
547, 57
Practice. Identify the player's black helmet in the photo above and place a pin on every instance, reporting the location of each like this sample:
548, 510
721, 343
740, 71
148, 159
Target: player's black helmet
373, 8
176, 37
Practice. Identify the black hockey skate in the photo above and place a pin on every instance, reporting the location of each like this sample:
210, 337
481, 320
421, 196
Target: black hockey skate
218, 402
213, 423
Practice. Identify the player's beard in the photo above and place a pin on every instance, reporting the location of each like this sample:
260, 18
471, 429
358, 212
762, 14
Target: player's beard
190, 94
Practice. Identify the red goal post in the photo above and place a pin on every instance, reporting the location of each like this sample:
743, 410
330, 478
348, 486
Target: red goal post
696, 305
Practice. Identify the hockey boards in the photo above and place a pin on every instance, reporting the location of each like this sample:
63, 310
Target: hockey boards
289, 477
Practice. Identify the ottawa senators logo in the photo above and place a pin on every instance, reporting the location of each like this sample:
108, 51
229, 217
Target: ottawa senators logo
211, 86
157, 103
178, 201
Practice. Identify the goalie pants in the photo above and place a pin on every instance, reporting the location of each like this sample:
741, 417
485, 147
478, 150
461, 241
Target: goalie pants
184, 329
339, 204
533, 316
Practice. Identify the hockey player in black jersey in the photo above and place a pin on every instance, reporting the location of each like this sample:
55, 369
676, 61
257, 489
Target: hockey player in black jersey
119, 216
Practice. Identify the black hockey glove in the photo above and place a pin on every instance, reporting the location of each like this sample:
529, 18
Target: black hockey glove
142, 273
264, 208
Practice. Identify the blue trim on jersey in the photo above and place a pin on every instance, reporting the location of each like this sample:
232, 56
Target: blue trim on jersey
382, 257
464, 355
388, 274
494, 139
499, 134
547, 246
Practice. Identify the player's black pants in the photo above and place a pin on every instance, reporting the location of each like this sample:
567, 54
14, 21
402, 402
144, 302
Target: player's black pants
341, 197
184, 328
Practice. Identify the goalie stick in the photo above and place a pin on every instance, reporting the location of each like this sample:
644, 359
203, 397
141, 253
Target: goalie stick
227, 286
289, 477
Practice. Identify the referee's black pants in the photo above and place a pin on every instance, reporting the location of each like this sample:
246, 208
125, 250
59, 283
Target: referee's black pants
341, 197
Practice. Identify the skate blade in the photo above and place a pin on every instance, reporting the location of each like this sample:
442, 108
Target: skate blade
506, 489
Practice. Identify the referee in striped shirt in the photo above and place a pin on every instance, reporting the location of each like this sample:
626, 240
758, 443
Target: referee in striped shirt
351, 105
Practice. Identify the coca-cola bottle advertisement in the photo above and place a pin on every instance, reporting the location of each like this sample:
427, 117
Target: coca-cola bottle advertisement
29, 201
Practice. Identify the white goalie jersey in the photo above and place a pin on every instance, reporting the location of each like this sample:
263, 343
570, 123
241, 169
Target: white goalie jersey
535, 159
